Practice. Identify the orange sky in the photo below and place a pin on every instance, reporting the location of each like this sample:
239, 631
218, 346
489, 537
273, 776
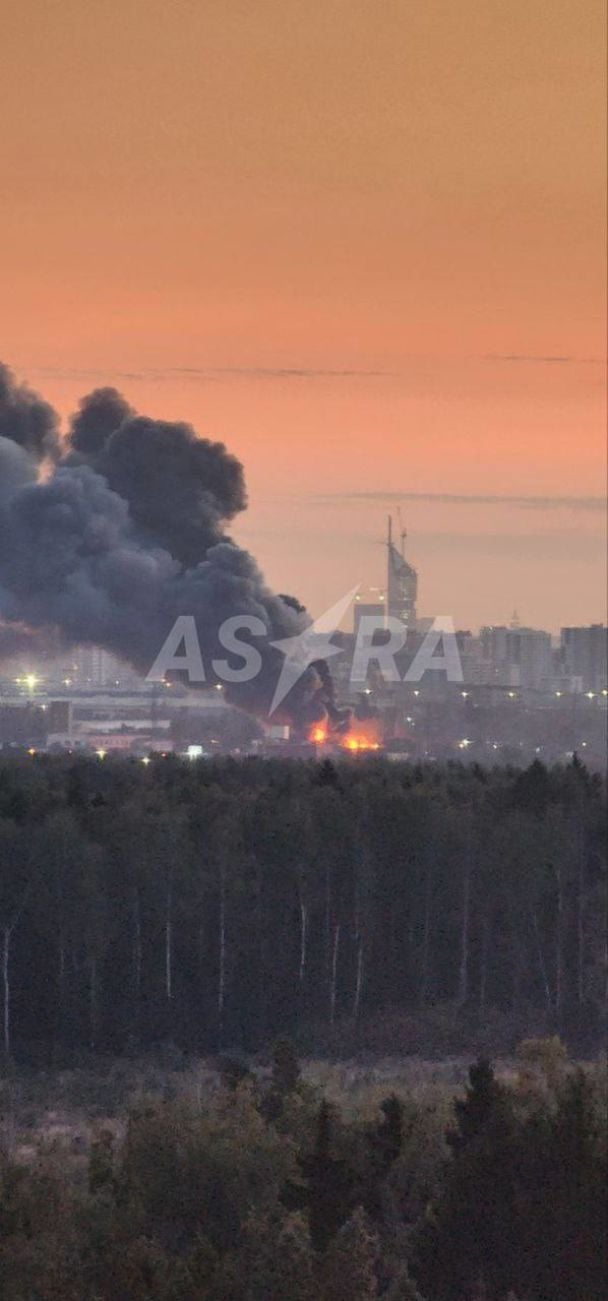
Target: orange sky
402, 201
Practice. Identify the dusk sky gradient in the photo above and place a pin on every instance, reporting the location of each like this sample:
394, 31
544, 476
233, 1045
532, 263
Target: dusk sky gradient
360, 241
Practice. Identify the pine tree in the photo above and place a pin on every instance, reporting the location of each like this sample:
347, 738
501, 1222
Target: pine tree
475, 1110
327, 1191
348, 1270
276, 1260
285, 1066
472, 1237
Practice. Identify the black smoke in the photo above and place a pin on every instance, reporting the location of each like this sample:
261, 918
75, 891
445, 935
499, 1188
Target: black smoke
127, 531
181, 489
25, 419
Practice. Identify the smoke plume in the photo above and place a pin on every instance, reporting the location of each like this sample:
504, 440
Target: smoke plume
122, 532
26, 420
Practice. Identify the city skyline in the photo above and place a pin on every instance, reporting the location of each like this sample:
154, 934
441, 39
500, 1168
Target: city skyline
364, 248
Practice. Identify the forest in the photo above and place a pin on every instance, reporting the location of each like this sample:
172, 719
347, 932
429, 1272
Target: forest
355, 905
269, 1186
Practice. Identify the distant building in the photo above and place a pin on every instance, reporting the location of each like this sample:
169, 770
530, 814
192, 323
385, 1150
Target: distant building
367, 607
402, 582
91, 666
584, 653
516, 657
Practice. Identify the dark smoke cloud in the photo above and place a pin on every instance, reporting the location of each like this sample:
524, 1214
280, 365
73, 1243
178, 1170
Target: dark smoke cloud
181, 489
98, 417
127, 534
25, 419
16, 468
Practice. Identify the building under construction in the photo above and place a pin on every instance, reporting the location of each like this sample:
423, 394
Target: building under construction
401, 581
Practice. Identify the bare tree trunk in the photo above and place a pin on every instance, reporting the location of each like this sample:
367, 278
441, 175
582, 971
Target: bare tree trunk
169, 943
580, 918
6, 945
327, 917
426, 936
7, 934
541, 962
303, 941
463, 973
334, 972
61, 982
221, 983
559, 956
483, 971
93, 1003
358, 979
137, 951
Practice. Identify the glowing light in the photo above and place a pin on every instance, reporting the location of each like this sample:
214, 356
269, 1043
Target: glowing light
31, 681
590, 695
318, 735
558, 694
464, 744
101, 754
512, 695
67, 682
31, 751
146, 760
464, 694
355, 743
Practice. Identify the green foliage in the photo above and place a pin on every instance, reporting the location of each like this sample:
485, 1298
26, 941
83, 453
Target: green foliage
328, 1184
224, 906
285, 1066
348, 1269
191, 1201
542, 1059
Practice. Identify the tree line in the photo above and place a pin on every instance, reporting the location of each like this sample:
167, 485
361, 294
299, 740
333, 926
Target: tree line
219, 903
266, 1191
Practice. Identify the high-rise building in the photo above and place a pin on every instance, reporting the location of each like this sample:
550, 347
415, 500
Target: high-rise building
584, 653
369, 604
91, 666
401, 583
516, 657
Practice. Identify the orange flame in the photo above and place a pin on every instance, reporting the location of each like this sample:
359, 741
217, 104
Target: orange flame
318, 734
364, 735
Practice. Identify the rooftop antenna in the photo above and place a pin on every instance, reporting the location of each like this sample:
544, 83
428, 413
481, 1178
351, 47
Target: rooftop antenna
402, 531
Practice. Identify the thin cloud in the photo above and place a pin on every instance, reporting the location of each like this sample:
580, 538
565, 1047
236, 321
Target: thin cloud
474, 499
548, 360
212, 372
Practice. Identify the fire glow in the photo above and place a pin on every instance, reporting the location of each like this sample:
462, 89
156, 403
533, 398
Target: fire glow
361, 737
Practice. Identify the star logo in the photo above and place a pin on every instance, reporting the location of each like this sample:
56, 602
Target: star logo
314, 643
